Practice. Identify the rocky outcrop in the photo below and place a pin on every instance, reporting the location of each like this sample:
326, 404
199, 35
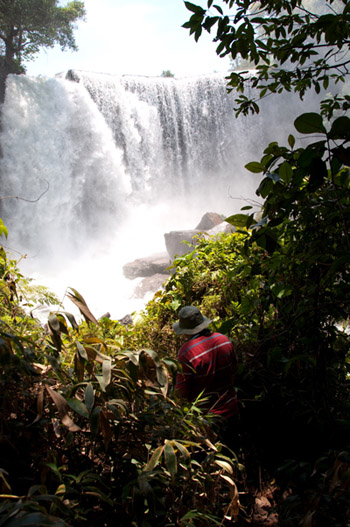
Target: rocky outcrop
154, 269
150, 284
175, 242
222, 227
210, 224
147, 266
209, 220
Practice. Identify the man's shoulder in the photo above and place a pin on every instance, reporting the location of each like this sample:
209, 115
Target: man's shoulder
221, 337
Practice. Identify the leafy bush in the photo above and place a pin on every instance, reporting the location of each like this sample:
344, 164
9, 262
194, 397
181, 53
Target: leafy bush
280, 287
91, 433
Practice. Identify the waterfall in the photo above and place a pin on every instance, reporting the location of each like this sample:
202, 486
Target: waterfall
96, 168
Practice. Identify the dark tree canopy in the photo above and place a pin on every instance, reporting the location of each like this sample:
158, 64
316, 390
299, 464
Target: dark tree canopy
28, 25
167, 73
295, 45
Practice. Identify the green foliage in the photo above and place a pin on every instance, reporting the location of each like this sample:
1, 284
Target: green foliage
279, 286
293, 45
168, 74
3, 229
90, 431
305, 230
294, 383
28, 25
218, 278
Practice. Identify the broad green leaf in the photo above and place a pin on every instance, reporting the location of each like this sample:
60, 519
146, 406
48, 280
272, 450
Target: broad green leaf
309, 123
238, 220
265, 187
153, 355
185, 453
107, 371
63, 324
318, 173
226, 466
218, 8
154, 460
77, 295
89, 396
194, 8
267, 241
94, 420
3, 229
79, 367
280, 290
175, 304
81, 350
339, 263
145, 487
340, 128
79, 407
285, 172
54, 323
205, 518
170, 458
250, 221
342, 154
79, 301
72, 320
229, 480
61, 489
99, 379
291, 140
255, 167
162, 376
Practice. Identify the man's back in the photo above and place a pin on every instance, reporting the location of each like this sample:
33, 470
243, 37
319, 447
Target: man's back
209, 364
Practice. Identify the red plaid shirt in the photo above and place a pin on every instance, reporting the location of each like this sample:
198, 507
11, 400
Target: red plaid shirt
209, 364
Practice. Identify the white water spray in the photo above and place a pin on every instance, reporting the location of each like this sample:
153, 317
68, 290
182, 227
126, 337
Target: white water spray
121, 160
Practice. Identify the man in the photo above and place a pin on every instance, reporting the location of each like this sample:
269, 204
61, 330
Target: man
209, 364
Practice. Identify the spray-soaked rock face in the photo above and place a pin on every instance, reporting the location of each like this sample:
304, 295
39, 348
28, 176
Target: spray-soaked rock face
210, 220
147, 266
176, 242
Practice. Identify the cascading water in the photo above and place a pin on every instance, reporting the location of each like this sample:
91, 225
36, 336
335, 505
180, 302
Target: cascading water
117, 162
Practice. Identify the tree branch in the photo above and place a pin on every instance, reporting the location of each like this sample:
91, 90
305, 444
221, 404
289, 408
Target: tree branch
28, 200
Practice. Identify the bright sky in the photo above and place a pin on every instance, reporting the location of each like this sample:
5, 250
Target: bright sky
139, 37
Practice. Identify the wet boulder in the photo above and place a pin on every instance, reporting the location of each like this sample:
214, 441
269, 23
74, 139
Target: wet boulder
209, 221
147, 266
175, 242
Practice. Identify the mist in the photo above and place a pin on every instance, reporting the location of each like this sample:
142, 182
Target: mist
105, 165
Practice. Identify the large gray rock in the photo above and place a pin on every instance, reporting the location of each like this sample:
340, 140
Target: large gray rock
222, 227
209, 220
147, 266
151, 284
174, 242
